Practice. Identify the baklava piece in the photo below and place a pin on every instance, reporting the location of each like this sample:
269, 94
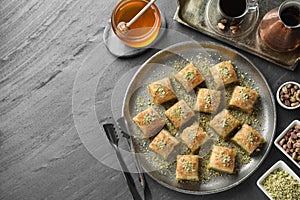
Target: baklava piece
222, 159
187, 168
248, 138
243, 98
163, 144
179, 114
149, 122
161, 91
193, 136
189, 77
224, 123
223, 74
207, 101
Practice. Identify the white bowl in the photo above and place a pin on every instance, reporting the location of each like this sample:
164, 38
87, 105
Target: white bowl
279, 164
276, 142
278, 99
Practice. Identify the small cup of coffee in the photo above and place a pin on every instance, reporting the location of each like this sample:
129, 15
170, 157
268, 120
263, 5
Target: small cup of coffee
236, 9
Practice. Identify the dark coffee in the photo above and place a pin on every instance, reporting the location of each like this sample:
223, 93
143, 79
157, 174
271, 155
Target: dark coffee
233, 8
290, 16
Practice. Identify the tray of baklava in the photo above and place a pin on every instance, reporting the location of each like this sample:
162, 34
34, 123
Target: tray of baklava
202, 117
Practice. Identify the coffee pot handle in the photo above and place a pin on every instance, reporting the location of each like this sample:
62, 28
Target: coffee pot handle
252, 5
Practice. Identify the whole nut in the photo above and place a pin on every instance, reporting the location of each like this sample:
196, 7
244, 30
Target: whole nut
298, 95
284, 89
294, 135
293, 90
293, 99
289, 144
284, 146
235, 31
287, 150
294, 155
282, 141
221, 26
285, 96
286, 137
287, 102
281, 98
296, 145
292, 140
295, 104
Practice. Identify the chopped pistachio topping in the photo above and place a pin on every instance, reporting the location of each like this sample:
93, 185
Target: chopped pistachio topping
251, 137
178, 112
148, 118
161, 144
208, 100
178, 66
244, 95
192, 135
189, 76
281, 185
225, 123
225, 73
226, 159
140, 102
160, 91
187, 165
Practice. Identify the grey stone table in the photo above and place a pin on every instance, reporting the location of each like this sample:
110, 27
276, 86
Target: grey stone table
51, 51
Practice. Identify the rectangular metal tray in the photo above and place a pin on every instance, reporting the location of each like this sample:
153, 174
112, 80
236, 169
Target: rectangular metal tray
195, 14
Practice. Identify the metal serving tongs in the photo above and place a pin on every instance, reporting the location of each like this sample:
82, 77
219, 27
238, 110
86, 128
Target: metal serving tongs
114, 140
146, 191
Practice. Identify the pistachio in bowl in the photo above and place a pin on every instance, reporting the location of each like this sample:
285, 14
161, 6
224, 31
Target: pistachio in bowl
288, 142
288, 95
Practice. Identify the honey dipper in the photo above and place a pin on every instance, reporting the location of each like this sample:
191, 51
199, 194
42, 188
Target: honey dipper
123, 27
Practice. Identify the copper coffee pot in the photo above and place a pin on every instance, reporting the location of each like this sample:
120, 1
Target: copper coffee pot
280, 27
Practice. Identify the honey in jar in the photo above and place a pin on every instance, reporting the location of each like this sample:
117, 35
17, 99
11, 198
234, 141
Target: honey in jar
144, 30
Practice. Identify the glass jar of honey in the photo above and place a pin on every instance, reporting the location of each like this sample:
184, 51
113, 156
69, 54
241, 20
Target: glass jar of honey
144, 30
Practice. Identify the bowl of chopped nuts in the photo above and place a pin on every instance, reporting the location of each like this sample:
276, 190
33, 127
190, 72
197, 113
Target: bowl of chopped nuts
280, 182
289, 142
288, 95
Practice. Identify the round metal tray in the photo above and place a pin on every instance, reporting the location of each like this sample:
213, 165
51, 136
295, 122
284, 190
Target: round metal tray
155, 68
